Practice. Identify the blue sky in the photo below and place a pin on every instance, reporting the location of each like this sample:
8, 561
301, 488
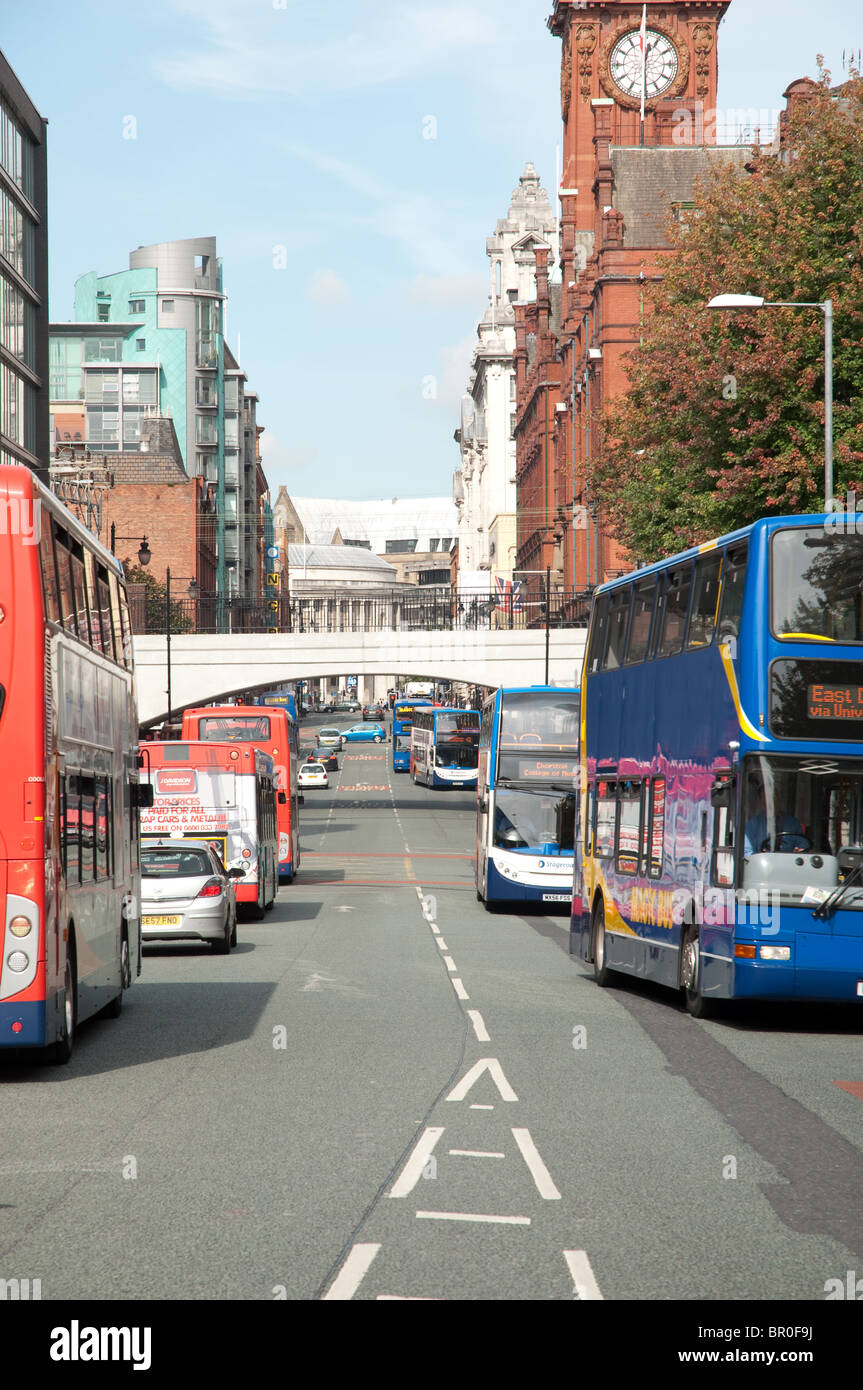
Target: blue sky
295, 132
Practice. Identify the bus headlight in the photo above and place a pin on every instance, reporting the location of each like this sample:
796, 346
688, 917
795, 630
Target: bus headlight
20, 926
775, 953
17, 961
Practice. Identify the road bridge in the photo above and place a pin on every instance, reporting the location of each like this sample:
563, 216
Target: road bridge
208, 668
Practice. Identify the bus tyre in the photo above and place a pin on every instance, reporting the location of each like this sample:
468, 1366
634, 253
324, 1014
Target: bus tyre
691, 976
598, 945
115, 1008
60, 1052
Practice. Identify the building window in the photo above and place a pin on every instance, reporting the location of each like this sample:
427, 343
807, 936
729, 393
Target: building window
512, 423
137, 306
206, 391
101, 350
103, 426
139, 387
396, 547
167, 306
512, 388
231, 394
103, 311
206, 430
141, 344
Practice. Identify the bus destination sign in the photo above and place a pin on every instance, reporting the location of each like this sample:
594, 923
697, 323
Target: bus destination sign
835, 702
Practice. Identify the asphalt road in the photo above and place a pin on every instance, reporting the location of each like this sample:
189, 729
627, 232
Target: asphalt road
385, 1092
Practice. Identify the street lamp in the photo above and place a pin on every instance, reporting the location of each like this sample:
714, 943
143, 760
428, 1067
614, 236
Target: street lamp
145, 554
755, 301
193, 593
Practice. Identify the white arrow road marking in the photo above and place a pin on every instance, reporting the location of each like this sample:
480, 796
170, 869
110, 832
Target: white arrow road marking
584, 1282
495, 1071
478, 1026
352, 1272
412, 1171
538, 1171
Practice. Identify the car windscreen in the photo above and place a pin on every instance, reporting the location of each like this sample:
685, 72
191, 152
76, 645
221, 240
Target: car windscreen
165, 863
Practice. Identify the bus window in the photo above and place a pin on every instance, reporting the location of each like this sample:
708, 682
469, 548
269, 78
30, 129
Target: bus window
618, 618
705, 601
64, 580
116, 620
678, 585
102, 614
588, 820
642, 617
731, 601
79, 590
597, 634
71, 821
103, 828
628, 825
606, 815
657, 826
49, 571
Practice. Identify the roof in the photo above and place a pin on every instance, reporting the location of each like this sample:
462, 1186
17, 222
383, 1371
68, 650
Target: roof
402, 518
338, 557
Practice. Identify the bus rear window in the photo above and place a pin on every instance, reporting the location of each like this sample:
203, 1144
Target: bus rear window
230, 729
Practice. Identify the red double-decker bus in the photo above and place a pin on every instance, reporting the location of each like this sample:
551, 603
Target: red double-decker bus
274, 731
69, 862
221, 793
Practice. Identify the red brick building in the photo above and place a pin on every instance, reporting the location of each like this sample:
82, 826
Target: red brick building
620, 182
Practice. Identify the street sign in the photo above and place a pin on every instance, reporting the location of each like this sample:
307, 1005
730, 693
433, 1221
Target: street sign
272, 552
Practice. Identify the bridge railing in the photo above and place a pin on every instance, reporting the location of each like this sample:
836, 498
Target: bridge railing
424, 610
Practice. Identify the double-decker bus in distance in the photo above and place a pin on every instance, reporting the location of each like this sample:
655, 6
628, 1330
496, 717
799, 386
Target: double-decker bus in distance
69, 854
274, 732
528, 765
403, 714
223, 793
278, 699
444, 747
721, 814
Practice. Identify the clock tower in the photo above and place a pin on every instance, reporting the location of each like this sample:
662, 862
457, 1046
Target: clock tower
602, 68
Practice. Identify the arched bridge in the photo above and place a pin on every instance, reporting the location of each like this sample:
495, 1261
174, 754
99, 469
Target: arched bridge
207, 668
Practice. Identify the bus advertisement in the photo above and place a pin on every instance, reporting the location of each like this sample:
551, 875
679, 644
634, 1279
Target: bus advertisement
403, 713
444, 747
274, 732
526, 787
720, 837
69, 853
223, 794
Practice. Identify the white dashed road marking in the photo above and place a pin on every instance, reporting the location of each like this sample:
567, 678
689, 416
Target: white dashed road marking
584, 1282
352, 1272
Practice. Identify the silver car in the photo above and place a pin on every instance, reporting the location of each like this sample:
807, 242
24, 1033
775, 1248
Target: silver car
329, 737
187, 894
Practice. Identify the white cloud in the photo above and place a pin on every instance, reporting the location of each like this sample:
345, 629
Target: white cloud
455, 372
249, 49
282, 463
327, 288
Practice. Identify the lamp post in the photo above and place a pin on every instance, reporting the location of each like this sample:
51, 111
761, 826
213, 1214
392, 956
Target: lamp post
755, 301
145, 554
193, 593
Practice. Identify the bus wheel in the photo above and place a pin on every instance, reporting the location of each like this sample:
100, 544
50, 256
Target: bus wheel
115, 1008
61, 1050
691, 975
601, 972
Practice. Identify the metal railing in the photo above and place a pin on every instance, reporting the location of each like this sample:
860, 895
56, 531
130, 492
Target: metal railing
418, 610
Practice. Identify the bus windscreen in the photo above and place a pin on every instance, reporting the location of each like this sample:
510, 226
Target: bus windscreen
247, 728
538, 736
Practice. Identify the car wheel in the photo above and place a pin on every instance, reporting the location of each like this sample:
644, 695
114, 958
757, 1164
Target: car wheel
377, 738
222, 946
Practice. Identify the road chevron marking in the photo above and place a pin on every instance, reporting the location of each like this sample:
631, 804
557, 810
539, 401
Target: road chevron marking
413, 1169
352, 1272
538, 1171
495, 1071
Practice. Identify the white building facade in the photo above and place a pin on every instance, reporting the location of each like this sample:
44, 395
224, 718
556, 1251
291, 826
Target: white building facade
484, 487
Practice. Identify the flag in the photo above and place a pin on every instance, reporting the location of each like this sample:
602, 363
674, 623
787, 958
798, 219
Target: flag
508, 595
643, 44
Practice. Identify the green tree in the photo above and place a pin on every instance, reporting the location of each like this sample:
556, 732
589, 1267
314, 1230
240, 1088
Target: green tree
155, 607
724, 421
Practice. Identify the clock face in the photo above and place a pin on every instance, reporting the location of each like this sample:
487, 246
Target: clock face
663, 64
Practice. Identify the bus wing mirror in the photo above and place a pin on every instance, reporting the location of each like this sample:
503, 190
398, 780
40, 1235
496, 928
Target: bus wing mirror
483, 805
282, 798
236, 873
142, 795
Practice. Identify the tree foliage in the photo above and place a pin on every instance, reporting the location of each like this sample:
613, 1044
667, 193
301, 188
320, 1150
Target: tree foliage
724, 420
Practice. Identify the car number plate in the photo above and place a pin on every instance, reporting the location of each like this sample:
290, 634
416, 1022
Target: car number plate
160, 921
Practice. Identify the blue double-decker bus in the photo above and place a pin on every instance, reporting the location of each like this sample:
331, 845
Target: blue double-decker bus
720, 829
526, 783
403, 714
444, 747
